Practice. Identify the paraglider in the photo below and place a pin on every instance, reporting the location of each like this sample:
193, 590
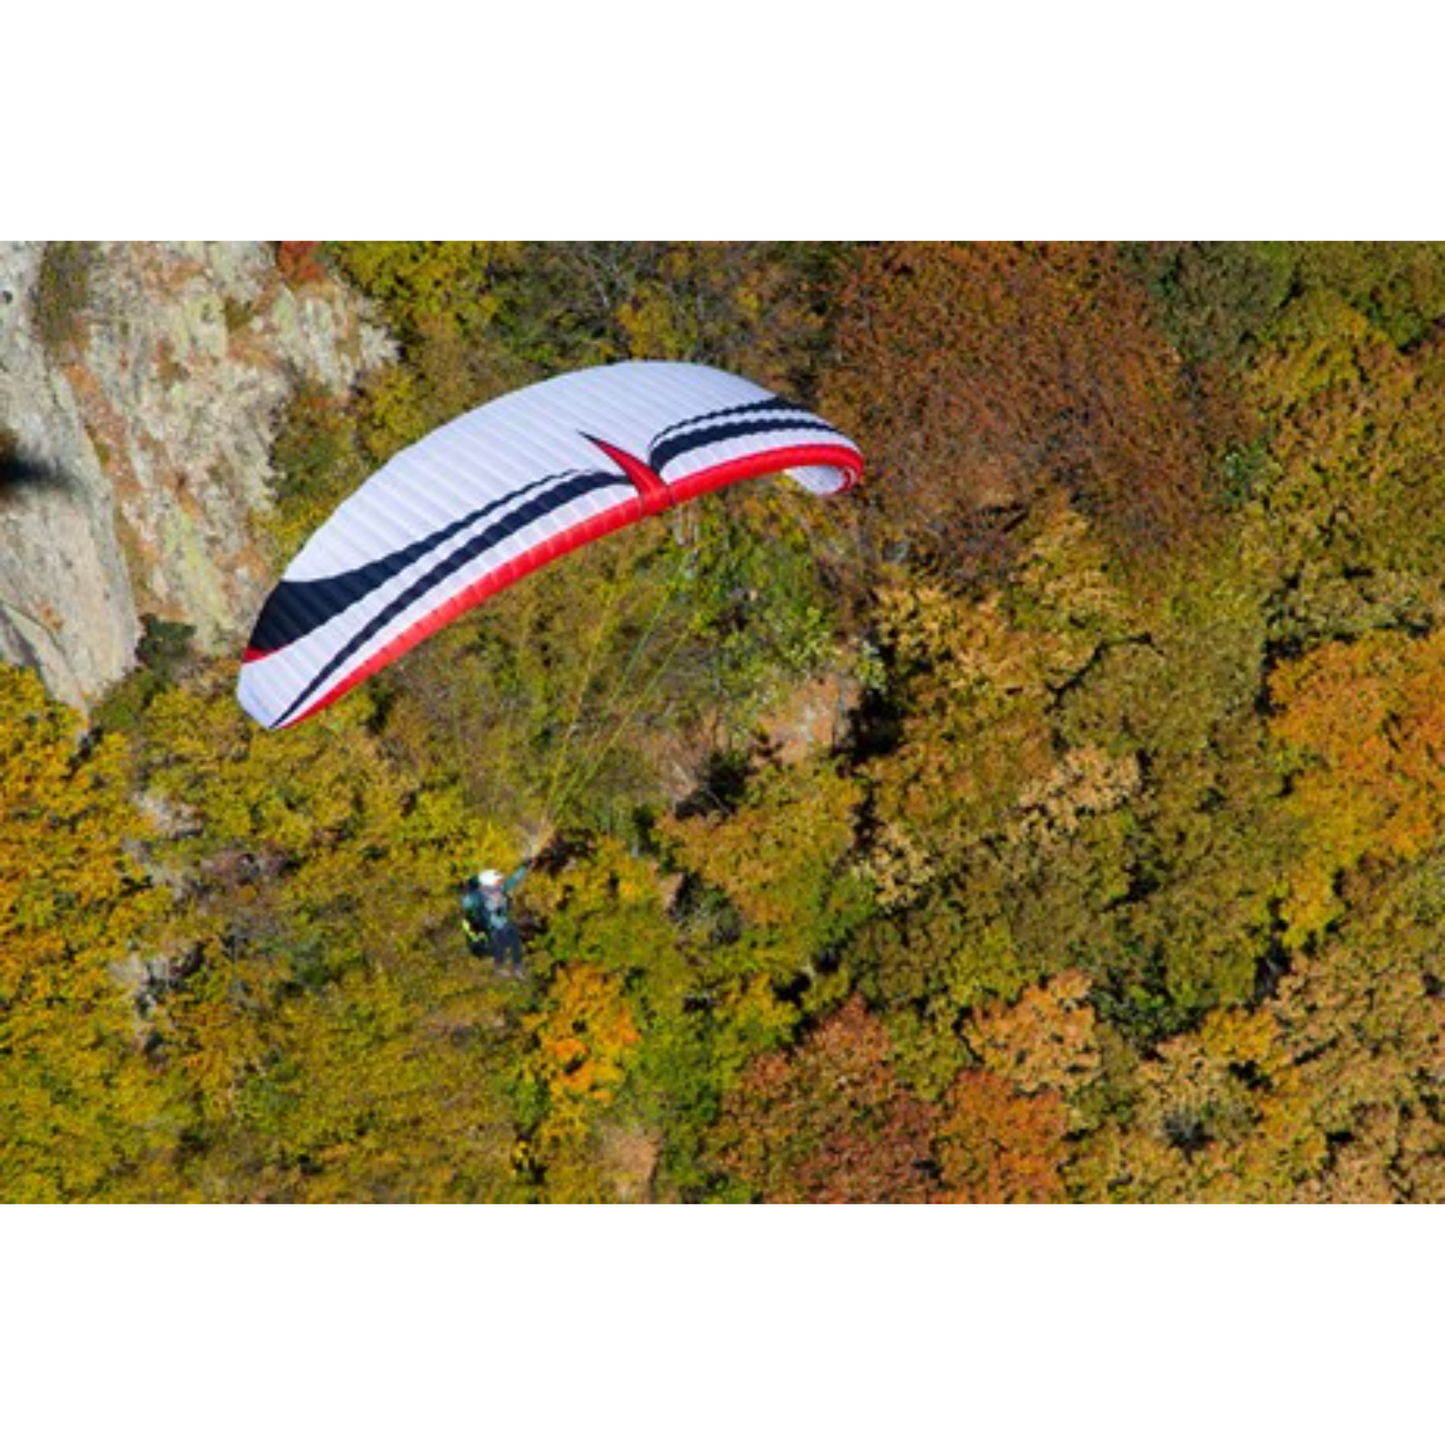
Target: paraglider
487, 920
503, 490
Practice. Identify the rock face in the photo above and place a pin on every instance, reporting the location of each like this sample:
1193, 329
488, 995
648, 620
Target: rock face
141, 389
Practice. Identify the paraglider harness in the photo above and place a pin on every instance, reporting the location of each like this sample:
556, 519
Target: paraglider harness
487, 921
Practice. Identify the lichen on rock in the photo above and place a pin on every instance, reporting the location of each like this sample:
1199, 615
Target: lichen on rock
141, 390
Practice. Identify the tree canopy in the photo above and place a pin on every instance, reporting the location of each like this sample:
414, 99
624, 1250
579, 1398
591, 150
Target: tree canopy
1056, 819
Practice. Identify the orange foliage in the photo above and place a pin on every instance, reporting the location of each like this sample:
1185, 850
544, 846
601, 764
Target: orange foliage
996, 1146
299, 262
584, 1042
1047, 1040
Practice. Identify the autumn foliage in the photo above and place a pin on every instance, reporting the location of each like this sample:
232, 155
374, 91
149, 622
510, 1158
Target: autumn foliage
1058, 820
829, 1123
299, 262
981, 379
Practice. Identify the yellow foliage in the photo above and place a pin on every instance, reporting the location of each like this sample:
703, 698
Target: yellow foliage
381, 1086
1365, 722
780, 859
734, 305
428, 284
81, 1114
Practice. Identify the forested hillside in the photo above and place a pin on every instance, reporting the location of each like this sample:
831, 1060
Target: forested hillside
1059, 816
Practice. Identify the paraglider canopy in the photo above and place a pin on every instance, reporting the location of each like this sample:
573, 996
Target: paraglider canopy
503, 490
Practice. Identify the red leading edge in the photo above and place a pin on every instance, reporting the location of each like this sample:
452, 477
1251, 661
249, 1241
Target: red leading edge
647, 503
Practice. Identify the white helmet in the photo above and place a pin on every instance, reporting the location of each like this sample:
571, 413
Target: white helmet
489, 878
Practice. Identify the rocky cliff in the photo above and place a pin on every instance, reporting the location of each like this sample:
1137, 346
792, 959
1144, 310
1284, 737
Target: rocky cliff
141, 389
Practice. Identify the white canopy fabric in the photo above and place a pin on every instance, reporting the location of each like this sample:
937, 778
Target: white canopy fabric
503, 490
